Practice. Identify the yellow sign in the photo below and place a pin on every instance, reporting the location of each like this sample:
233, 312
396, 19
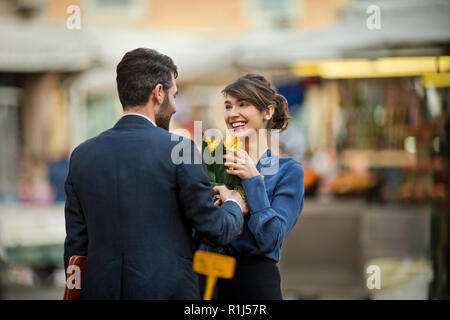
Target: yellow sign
377, 68
213, 266
436, 80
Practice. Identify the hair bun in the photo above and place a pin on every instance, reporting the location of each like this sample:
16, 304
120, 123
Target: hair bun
280, 118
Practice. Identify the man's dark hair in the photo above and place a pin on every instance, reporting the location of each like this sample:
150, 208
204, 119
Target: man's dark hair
139, 71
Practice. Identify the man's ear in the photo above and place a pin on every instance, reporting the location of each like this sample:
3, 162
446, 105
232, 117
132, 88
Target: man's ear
268, 112
158, 93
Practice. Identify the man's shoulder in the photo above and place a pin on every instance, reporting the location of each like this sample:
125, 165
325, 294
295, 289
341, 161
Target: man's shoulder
85, 145
161, 138
91, 142
176, 138
168, 140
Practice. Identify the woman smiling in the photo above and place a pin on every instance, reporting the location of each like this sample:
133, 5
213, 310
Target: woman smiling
253, 110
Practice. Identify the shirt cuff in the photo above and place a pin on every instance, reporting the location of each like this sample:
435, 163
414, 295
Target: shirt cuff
235, 202
255, 194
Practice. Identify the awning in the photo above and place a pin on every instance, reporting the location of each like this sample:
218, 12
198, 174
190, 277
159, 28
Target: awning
408, 28
37, 47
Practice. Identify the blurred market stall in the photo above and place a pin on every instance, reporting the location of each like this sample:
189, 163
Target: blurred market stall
371, 119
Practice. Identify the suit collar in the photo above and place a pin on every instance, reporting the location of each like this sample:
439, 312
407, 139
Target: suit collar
133, 120
141, 115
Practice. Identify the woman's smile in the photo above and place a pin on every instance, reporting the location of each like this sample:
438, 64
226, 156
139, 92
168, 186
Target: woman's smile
237, 125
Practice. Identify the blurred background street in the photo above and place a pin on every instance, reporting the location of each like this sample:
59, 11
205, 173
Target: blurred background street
368, 86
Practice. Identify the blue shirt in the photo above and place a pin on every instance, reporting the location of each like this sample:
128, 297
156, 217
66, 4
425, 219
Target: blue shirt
274, 204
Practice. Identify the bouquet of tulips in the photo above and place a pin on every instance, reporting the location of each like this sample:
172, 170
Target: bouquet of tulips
213, 152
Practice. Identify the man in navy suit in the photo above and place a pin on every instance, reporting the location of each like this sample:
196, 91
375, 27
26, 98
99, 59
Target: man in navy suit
131, 204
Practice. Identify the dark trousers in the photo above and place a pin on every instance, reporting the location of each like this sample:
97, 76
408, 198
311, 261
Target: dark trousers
255, 278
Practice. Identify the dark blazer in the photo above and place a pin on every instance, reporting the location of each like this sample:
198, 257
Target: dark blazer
131, 208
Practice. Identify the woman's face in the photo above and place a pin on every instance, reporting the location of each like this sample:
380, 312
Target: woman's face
242, 117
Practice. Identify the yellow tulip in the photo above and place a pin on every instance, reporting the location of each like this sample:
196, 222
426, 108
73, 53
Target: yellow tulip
213, 145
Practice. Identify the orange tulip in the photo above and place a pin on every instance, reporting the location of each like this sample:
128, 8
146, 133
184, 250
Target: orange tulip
232, 142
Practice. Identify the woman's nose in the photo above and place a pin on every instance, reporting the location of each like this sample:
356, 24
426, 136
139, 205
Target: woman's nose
234, 112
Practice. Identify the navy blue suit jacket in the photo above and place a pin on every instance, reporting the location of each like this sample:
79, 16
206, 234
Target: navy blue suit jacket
131, 207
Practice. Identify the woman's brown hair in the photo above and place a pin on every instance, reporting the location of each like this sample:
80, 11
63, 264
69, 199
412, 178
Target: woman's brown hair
255, 89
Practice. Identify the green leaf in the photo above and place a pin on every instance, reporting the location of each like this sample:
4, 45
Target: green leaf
240, 189
231, 181
209, 167
219, 168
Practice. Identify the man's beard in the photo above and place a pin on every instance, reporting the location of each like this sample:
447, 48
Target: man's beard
162, 118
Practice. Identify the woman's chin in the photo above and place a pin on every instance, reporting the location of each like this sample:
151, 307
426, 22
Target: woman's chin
239, 132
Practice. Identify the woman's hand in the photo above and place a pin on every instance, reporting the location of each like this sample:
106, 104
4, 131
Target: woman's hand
243, 165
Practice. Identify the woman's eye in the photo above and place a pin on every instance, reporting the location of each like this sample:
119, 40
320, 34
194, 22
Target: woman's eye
227, 107
242, 104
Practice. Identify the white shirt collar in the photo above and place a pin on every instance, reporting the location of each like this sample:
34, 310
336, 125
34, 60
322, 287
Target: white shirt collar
141, 115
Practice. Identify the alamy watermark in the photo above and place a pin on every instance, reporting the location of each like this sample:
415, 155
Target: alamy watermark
74, 20
73, 277
374, 279
184, 152
373, 22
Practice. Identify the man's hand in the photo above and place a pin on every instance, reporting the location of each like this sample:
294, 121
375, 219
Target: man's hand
226, 194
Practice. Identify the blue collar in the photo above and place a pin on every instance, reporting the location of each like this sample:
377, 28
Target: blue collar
265, 160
